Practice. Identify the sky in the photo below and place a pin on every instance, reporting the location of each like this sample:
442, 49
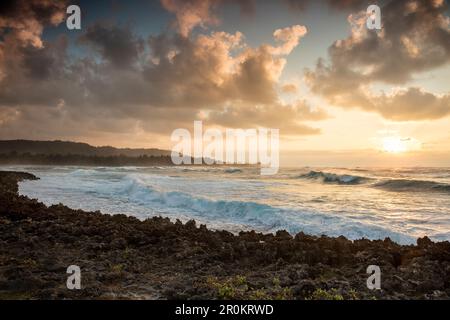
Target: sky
340, 94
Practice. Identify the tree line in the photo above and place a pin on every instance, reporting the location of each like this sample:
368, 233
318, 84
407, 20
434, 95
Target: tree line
82, 160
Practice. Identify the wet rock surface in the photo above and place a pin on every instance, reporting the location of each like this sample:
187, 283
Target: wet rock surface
124, 258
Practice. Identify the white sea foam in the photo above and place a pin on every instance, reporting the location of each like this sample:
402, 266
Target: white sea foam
327, 177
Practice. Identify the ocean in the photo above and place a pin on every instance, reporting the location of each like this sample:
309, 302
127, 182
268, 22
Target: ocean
402, 203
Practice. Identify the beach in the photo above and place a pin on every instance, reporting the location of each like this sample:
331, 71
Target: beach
123, 257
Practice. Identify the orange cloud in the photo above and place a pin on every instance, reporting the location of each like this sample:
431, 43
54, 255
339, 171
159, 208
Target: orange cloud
192, 13
415, 39
289, 88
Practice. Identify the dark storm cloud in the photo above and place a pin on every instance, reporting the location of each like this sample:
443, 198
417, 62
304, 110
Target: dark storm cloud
24, 20
30, 72
335, 4
40, 76
44, 11
350, 4
44, 63
415, 38
115, 44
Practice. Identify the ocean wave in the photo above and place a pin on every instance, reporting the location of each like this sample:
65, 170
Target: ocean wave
83, 172
196, 169
405, 185
326, 177
245, 212
253, 215
233, 170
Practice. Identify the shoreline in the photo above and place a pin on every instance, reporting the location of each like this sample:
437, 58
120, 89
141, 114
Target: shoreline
122, 257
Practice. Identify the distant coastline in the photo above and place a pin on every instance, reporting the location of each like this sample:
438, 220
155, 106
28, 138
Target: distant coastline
68, 153
65, 148
29, 152
82, 160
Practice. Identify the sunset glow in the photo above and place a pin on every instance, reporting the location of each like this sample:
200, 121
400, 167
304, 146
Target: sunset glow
394, 145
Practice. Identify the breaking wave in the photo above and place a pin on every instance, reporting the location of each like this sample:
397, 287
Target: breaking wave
233, 170
261, 217
404, 185
326, 177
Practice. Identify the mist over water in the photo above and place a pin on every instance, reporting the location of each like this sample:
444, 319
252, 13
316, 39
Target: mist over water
402, 204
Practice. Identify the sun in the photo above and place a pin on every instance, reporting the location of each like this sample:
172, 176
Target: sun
394, 145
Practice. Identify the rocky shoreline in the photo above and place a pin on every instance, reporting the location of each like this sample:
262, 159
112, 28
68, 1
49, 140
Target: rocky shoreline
124, 258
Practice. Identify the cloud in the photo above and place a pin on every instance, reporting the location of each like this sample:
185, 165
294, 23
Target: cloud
289, 37
192, 13
140, 85
349, 4
335, 4
31, 70
25, 19
415, 39
39, 76
289, 88
21, 25
288, 118
412, 104
115, 44
210, 70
